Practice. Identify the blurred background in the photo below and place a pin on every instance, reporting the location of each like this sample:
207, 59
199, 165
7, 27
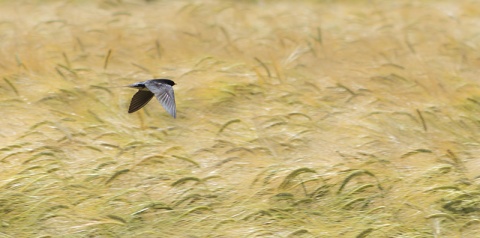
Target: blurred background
294, 119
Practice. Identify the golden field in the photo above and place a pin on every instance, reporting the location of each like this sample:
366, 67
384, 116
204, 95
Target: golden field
294, 119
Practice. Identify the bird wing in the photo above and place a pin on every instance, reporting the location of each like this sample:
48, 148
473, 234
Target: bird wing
164, 94
140, 99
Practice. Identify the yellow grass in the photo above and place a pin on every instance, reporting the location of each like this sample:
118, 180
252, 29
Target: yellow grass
295, 119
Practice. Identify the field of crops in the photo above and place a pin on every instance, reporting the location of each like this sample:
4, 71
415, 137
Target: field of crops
294, 119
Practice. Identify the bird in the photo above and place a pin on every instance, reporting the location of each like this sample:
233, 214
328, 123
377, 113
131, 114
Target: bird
162, 89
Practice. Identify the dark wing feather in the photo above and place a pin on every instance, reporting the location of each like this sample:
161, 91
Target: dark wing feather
164, 94
140, 99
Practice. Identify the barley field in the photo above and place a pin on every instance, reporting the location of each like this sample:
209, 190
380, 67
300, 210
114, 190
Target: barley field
294, 119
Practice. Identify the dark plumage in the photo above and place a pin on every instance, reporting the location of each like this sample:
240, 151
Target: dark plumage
162, 89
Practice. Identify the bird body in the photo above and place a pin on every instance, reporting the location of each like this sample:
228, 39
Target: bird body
162, 89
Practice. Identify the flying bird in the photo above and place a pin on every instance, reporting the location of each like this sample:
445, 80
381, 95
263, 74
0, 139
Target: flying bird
162, 89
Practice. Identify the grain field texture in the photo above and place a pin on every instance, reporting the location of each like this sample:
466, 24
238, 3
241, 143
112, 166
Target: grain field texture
294, 119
